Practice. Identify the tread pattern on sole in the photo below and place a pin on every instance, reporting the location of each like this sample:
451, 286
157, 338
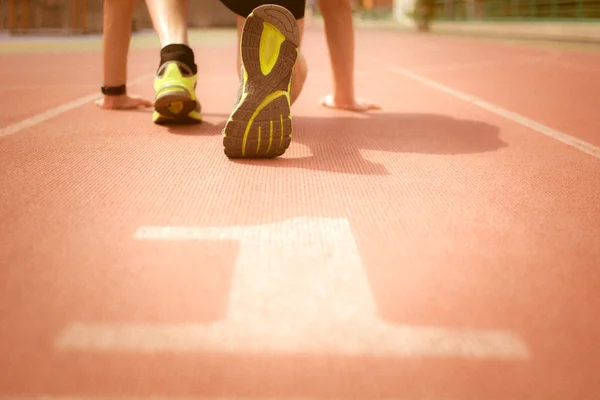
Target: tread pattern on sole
185, 105
261, 126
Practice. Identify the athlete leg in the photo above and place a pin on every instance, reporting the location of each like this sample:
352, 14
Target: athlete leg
117, 15
339, 30
176, 77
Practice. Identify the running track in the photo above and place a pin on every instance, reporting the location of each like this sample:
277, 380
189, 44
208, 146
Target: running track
447, 247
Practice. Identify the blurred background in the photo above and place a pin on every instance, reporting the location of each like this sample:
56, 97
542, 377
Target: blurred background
474, 16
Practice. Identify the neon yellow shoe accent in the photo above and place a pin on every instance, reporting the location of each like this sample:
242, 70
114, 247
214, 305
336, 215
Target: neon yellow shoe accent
267, 100
281, 124
268, 62
270, 43
175, 101
176, 107
271, 135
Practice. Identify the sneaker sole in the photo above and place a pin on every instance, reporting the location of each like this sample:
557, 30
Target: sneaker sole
261, 124
174, 105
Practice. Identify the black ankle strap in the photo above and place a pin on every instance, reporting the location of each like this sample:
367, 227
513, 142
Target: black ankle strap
114, 90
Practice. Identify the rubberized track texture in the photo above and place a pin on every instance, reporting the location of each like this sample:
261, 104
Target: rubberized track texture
444, 248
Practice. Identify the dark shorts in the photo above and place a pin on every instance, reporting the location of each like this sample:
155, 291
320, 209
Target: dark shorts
243, 8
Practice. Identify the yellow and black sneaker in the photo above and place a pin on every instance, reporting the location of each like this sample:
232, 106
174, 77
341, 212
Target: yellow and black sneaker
175, 101
260, 125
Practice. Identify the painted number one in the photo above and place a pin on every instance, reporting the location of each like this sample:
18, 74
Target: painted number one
299, 287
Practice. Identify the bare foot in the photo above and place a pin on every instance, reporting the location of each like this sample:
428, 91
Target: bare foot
358, 105
124, 102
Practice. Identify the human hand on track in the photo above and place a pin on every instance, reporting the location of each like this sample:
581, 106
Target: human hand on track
125, 102
358, 105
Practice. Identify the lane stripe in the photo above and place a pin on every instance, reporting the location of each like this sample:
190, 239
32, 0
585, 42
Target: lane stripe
562, 137
56, 111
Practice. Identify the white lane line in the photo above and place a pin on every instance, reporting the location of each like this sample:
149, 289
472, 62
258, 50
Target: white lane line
562, 137
53, 112
482, 63
299, 287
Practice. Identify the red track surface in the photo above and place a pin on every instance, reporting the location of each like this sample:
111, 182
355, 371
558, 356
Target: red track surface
458, 218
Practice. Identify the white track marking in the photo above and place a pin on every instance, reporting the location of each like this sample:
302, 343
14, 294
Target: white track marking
53, 112
562, 137
299, 287
458, 65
